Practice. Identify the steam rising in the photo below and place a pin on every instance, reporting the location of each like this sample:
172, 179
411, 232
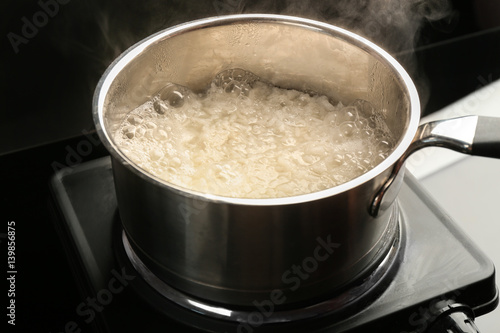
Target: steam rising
97, 31
393, 24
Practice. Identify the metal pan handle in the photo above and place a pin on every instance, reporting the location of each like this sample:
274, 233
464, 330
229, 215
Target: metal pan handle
474, 135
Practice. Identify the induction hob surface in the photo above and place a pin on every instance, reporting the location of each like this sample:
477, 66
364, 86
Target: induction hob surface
436, 265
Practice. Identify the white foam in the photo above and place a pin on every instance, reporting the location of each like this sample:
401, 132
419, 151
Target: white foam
247, 139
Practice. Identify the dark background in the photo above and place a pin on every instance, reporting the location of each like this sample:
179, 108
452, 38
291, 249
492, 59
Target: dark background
48, 79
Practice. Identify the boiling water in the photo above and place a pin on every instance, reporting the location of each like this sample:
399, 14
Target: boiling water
248, 139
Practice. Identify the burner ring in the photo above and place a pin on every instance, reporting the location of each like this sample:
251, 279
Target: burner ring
359, 290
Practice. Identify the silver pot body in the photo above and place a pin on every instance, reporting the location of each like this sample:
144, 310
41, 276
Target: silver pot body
238, 251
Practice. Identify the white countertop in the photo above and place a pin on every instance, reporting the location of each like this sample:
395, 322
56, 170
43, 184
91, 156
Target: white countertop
467, 187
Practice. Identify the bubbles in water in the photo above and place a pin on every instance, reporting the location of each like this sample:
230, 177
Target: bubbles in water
361, 123
246, 138
237, 81
173, 95
140, 132
155, 154
331, 118
363, 107
160, 107
384, 146
347, 129
346, 114
160, 135
129, 131
135, 120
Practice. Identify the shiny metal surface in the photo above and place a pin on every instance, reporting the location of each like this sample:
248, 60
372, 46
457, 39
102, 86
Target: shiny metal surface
233, 250
356, 293
459, 134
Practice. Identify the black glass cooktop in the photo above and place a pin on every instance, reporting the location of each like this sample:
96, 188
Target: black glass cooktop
437, 264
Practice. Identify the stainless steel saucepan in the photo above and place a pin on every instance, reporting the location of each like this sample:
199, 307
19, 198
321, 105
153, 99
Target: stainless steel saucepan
233, 250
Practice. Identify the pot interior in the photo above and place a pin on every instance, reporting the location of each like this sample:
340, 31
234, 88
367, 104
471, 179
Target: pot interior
288, 52
202, 253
